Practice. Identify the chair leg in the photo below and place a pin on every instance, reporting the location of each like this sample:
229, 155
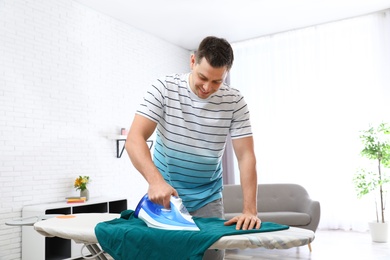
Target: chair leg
309, 245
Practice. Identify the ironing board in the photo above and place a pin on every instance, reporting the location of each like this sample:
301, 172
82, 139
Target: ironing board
80, 228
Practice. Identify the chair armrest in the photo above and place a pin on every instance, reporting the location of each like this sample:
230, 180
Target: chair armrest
313, 209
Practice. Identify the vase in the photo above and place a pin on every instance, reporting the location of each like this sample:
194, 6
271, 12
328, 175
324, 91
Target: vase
84, 193
379, 231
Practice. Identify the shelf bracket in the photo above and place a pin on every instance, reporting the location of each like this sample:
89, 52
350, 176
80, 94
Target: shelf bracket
119, 153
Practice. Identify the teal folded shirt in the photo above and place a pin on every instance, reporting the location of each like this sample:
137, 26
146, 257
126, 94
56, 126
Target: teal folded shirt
129, 238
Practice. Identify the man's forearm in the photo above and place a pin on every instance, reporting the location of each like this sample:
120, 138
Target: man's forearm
140, 156
248, 179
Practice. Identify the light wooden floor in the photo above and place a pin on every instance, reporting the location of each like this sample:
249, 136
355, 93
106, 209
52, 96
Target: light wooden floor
328, 245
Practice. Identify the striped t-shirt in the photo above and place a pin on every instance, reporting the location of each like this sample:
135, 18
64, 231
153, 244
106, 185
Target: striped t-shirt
191, 135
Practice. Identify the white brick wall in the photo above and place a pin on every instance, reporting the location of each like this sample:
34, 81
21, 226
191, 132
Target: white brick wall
69, 76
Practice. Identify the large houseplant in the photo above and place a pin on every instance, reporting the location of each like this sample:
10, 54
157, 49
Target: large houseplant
376, 148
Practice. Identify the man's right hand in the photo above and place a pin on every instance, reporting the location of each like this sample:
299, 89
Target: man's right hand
161, 193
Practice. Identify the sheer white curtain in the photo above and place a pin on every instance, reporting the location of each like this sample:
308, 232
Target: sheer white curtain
310, 92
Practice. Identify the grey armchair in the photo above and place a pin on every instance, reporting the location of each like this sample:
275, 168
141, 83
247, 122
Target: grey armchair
287, 204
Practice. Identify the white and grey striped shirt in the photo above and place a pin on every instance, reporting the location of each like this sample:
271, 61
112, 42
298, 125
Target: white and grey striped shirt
191, 135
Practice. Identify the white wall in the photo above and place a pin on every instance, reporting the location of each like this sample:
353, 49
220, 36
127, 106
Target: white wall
69, 76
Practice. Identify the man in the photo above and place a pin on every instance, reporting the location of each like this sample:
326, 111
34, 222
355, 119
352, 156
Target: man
193, 114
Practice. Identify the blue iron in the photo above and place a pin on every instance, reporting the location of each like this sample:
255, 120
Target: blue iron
156, 216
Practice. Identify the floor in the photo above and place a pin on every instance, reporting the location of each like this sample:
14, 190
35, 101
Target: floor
327, 245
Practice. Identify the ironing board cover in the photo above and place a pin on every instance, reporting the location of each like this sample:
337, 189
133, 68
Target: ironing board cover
78, 227
128, 238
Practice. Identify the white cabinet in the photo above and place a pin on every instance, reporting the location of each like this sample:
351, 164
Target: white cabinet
37, 247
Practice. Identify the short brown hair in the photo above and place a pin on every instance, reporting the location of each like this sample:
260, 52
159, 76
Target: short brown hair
216, 51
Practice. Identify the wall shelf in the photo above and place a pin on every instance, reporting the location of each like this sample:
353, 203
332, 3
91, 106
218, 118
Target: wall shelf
122, 138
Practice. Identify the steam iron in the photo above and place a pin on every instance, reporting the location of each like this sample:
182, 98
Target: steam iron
156, 216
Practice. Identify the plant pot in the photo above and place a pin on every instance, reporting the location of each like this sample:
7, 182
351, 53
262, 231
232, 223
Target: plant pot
379, 231
84, 193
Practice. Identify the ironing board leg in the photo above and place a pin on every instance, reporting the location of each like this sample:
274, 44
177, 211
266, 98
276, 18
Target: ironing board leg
94, 249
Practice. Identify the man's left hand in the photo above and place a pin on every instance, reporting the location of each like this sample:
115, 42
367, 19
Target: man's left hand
245, 222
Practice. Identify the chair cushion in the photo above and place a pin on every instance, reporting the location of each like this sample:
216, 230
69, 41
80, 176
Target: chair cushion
286, 218
282, 217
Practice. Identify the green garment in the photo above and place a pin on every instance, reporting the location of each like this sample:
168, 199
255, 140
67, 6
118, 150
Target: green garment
129, 238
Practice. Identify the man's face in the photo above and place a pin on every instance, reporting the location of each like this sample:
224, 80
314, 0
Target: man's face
204, 79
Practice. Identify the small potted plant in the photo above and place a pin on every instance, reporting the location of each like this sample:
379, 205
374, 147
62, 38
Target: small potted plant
81, 183
376, 148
